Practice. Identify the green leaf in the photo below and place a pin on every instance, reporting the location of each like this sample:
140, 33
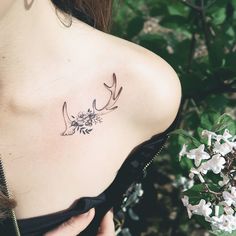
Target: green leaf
223, 233
186, 164
158, 10
218, 17
178, 9
205, 122
216, 53
187, 135
194, 193
202, 139
208, 119
153, 42
191, 83
197, 188
135, 26
201, 220
214, 186
230, 61
225, 73
180, 52
174, 22
225, 121
217, 102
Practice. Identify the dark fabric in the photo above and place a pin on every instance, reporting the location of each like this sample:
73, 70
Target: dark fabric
7, 228
130, 171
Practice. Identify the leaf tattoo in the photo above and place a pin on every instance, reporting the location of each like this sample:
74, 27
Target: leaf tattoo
84, 122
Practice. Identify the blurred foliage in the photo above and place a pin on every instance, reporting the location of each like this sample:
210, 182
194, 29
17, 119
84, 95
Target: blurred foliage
198, 39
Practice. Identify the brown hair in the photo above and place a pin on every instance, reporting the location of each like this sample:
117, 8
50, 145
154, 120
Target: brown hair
93, 12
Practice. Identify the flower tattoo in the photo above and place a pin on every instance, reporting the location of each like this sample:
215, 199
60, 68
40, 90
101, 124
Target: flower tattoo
84, 122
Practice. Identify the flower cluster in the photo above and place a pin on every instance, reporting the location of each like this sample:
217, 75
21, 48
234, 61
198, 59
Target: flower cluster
89, 118
218, 205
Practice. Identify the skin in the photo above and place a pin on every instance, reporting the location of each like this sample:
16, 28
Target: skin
42, 65
77, 224
5, 6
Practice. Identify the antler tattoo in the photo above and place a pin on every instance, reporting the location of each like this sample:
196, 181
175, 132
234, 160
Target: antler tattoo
84, 121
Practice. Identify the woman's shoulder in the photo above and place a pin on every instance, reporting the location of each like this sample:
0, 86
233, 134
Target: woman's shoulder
153, 85
151, 88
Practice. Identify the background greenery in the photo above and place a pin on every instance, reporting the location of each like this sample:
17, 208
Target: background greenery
198, 39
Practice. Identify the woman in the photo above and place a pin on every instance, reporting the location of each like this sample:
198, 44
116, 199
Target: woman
74, 102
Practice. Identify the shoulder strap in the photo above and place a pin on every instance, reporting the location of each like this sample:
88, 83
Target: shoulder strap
9, 226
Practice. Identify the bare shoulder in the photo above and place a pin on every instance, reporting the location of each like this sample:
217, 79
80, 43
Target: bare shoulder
153, 87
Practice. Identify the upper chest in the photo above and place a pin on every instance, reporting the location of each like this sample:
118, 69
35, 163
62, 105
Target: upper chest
40, 162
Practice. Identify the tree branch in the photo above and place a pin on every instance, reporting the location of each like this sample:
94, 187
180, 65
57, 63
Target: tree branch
200, 95
204, 26
192, 51
191, 5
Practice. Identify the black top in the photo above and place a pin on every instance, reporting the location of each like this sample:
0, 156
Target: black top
132, 171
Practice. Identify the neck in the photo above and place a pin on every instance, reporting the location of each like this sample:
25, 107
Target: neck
37, 50
30, 39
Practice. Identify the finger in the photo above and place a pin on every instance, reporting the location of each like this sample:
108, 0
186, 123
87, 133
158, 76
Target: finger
107, 227
74, 225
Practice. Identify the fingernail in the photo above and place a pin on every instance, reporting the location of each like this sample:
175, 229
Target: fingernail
87, 213
112, 210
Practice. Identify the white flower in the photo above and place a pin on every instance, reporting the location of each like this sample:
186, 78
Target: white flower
183, 151
204, 162
224, 222
185, 200
226, 135
234, 138
230, 198
216, 164
184, 183
217, 209
193, 172
209, 135
224, 147
202, 208
224, 181
228, 210
198, 154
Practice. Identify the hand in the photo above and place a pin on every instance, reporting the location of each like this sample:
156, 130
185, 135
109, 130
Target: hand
107, 227
77, 224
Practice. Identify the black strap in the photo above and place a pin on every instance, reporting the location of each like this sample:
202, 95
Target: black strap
6, 226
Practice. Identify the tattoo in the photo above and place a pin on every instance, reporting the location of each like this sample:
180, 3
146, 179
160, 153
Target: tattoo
28, 4
84, 122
